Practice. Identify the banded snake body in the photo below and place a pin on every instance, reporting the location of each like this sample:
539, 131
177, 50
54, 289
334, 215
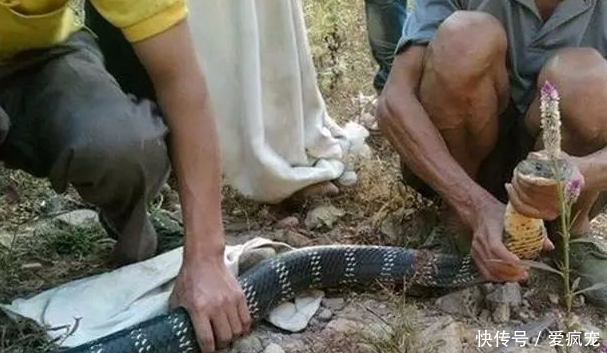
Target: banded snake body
281, 277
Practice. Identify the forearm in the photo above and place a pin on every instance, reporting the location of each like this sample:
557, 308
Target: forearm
408, 127
180, 87
195, 159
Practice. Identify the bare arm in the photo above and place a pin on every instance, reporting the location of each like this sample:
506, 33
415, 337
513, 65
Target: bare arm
204, 286
406, 124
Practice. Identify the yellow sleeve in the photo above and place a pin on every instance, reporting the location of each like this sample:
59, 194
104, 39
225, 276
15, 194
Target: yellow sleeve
141, 19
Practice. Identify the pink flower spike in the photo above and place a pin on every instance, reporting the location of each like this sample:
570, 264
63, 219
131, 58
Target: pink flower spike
573, 190
548, 90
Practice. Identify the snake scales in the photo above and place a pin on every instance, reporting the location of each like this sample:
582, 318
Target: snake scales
283, 276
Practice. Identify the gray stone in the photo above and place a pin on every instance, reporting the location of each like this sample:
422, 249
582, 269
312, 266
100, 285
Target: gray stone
248, 344
288, 222
465, 302
441, 337
293, 345
177, 215
291, 237
324, 315
508, 293
379, 331
554, 298
485, 315
323, 216
347, 179
7, 239
165, 224
78, 218
56, 204
501, 313
334, 304
273, 348
343, 326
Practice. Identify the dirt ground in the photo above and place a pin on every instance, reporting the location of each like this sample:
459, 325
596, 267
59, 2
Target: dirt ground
38, 253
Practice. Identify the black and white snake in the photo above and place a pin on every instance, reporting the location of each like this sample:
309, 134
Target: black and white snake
281, 277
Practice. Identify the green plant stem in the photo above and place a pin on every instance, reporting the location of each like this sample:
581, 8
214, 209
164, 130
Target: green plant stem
565, 218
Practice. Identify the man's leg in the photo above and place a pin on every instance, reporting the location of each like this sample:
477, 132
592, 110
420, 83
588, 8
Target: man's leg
385, 21
77, 126
464, 86
580, 75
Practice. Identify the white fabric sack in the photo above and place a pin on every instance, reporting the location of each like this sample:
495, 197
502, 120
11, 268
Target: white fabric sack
124, 297
276, 136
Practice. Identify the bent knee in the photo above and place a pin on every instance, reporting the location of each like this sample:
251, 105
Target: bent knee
134, 141
580, 76
574, 66
469, 41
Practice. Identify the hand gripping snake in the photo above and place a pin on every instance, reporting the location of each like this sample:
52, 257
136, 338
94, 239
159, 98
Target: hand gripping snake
281, 277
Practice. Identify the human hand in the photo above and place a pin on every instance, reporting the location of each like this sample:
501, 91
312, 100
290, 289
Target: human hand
540, 201
494, 261
214, 300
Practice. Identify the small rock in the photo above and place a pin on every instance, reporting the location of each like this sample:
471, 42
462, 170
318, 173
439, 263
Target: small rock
293, 346
441, 338
79, 217
56, 204
248, 344
323, 216
177, 215
273, 348
343, 326
487, 288
523, 315
165, 224
288, 222
254, 256
324, 314
7, 239
380, 331
347, 179
554, 298
334, 304
292, 238
579, 301
501, 313
465, 302
369, 121
485, 315
509, 293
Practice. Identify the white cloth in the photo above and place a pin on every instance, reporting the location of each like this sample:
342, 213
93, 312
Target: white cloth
115, 300
276, 136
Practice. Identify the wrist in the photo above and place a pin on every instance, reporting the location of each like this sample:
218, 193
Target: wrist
208, 246
474, 206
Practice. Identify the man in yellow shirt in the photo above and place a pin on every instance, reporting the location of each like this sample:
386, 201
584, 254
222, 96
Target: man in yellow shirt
62, 116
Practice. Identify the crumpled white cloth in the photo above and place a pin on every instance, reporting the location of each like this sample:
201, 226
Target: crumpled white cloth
275, 134
113, 301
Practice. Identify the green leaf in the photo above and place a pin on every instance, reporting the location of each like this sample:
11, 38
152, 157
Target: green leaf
575, 284
540, 266
597, 286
